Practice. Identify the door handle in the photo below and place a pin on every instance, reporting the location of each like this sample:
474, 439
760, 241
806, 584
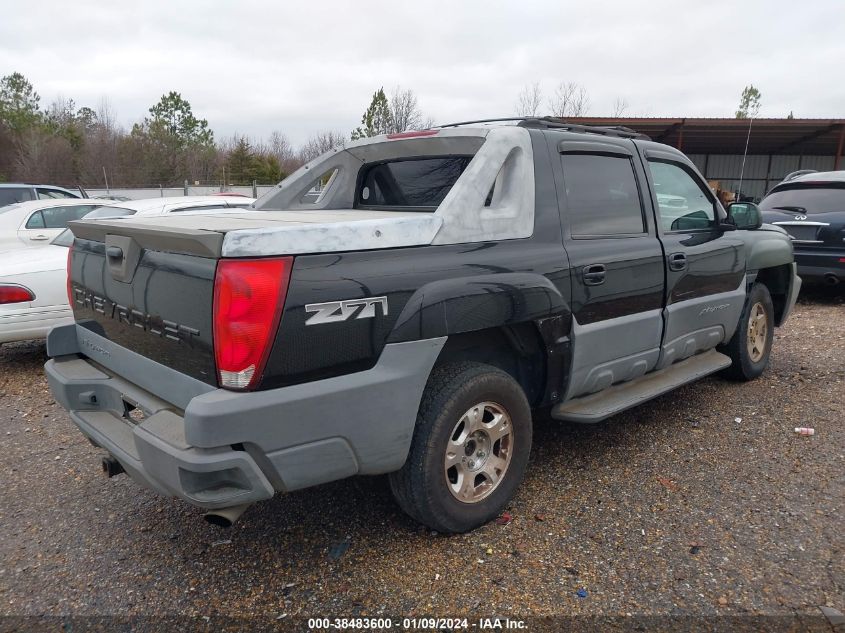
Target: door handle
677, 262
594, 274
38, 238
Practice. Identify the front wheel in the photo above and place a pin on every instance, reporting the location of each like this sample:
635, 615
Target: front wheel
469, 450
751, 344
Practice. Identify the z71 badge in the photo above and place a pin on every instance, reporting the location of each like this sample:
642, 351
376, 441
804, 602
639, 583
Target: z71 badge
332, 311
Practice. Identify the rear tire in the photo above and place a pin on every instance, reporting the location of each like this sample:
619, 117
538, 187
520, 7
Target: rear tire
469, 451
751, 344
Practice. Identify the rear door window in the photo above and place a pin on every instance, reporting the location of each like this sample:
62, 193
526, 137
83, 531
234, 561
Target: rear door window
409, 184
11, 195
602, 196
808, 199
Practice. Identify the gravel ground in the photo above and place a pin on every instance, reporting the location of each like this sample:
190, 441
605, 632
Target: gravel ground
703, 502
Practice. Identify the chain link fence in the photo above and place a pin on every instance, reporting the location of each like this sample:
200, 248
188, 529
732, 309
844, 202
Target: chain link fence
155, 191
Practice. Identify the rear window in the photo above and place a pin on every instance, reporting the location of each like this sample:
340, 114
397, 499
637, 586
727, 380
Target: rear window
58, 217
11, 195
411, 184
808, 199
109, 212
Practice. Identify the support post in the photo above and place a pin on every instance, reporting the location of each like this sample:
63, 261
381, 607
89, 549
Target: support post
839, 148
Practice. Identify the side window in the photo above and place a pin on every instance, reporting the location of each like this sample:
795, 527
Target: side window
58, 217
54, 194
602, 196
36, 221
683, 204
12, 195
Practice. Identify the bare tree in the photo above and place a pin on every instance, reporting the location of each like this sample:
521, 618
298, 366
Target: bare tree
280, 147
529, 100
569, 99
620, 106
405, 111
320, 143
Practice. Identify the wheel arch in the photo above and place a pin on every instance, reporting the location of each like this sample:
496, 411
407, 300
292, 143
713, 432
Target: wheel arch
518, 322
778, 281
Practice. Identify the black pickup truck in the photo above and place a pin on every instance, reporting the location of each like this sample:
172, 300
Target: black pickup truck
402, 306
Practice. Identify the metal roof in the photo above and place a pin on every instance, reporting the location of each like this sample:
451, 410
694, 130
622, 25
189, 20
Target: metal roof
821, 137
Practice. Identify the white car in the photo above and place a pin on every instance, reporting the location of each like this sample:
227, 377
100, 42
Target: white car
37, 222
33, 281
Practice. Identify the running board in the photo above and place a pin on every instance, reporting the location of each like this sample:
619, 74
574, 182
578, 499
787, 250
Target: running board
598, 406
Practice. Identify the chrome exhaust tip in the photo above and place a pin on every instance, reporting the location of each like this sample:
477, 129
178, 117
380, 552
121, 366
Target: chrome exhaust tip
225, 517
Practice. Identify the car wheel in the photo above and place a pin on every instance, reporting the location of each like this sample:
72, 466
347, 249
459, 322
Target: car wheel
469, 450
751, 344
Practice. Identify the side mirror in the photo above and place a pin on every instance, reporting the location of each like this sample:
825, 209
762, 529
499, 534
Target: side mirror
745, 215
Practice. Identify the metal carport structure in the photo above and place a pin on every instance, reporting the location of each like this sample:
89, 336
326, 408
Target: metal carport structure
776, 147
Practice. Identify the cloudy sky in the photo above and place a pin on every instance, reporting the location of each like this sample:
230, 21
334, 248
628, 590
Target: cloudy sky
254, 67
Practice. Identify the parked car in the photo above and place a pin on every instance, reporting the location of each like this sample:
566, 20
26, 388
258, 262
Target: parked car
811, 208
801, 172
33, 289
408, 319
33, 281
36, 223
10, 193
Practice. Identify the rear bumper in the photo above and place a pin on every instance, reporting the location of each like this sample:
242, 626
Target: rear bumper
34, 324
819, 266
230, 448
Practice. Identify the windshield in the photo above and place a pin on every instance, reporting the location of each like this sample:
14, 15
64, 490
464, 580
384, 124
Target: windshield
808, 199
65, 238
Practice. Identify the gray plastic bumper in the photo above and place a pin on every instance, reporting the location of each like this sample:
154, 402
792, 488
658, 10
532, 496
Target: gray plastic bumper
230, 448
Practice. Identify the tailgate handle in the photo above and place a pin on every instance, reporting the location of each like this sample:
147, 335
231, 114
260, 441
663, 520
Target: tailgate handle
122, 257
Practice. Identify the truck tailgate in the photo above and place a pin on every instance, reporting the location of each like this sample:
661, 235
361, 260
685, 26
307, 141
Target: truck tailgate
157, 304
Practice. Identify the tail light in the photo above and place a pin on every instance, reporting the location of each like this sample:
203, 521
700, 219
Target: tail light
249, 295
13, 293
411, 134
67, 281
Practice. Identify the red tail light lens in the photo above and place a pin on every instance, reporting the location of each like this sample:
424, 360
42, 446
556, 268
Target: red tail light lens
249, 295
12, 293
67, 281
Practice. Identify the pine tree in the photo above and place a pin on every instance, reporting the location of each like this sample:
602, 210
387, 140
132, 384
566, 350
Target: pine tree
377, 118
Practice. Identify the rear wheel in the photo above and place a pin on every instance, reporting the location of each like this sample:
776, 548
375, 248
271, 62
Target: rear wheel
751, 344
469, 450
